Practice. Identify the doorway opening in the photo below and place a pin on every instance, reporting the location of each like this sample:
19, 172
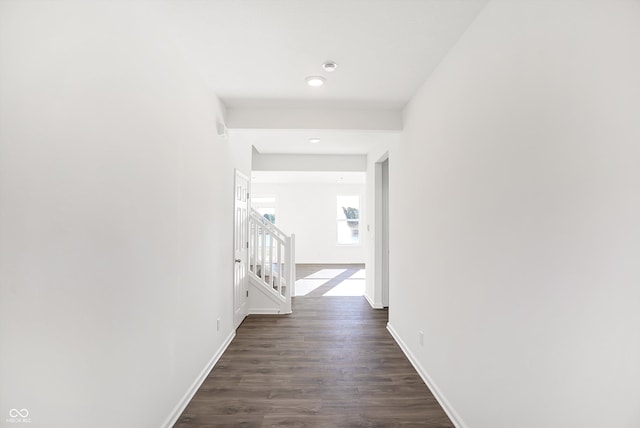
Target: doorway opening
382, 230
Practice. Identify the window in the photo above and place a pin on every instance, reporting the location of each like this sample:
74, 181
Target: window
265, 205
348, 215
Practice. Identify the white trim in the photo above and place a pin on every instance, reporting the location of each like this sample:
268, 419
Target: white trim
444, 403
381, 247
373, 305
267, 311
257, 283
186, 398
379, 293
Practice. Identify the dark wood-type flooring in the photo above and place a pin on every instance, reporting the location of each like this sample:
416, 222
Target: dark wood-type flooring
331, 363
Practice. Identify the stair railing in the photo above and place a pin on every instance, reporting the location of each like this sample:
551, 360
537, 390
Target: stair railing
271, 256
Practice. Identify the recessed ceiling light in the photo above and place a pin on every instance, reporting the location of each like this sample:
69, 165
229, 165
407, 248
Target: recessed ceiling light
314, 140
315, 80
329, 66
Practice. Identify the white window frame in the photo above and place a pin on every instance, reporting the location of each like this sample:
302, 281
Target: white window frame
258, 205
339, 220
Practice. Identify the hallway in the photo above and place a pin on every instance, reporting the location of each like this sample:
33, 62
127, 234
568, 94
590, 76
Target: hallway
331, 363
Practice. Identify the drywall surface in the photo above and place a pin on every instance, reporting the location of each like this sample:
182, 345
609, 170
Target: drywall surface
305, 118
309, 211
115, 218
289, 162
515, 229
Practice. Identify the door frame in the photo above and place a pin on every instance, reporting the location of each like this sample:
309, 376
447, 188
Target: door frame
382, 251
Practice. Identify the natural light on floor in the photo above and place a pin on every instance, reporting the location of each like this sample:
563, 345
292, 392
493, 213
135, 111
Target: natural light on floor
358, 275
326, 273
348, 287
336, 282
305, 286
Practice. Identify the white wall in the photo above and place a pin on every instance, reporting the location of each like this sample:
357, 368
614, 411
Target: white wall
115, 218
287, 162
519, 256
314, 118
309, 211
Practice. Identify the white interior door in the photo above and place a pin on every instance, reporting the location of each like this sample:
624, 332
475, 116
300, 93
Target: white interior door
240, 248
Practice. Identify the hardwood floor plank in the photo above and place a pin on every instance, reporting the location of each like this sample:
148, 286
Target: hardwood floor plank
331, 363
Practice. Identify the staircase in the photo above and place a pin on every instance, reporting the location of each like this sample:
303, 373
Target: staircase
271, 267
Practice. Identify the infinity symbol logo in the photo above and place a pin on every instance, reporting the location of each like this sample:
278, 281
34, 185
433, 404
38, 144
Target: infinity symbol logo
14, 413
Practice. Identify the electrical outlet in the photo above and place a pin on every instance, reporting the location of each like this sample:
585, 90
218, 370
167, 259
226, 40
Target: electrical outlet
421, 336
218, 324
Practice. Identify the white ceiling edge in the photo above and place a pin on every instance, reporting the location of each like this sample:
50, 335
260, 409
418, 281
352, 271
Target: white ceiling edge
314, 118
304, 162
306, 177
313, 104
332, 141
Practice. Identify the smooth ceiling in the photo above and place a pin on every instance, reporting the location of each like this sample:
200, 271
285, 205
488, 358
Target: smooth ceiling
255, 54
258, 52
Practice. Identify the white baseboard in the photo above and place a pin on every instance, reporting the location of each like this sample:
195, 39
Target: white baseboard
182, 404
446, 406
373, 305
